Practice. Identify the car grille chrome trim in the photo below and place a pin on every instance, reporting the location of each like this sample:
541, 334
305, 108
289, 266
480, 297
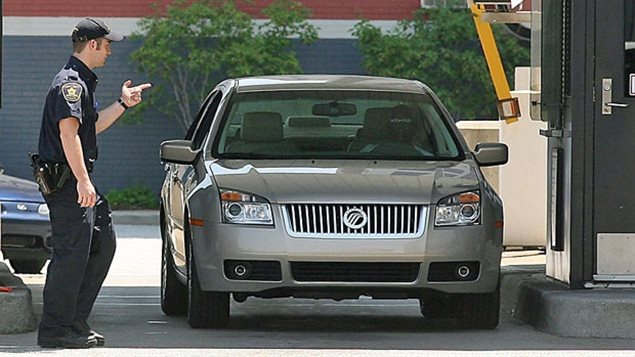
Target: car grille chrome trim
400, 221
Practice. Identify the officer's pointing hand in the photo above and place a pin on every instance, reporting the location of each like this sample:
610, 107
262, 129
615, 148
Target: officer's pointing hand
132, 95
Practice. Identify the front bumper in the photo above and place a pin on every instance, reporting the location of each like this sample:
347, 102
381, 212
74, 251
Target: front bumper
25, 239
218, 246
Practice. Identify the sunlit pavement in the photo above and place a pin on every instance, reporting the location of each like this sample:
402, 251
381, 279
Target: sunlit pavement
128, 313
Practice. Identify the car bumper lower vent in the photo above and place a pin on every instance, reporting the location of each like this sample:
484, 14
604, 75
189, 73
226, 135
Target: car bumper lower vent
355, 272
253, 270
453, 271
19, 241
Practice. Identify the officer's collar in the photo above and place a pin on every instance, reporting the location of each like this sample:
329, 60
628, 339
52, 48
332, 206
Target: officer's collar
83, 70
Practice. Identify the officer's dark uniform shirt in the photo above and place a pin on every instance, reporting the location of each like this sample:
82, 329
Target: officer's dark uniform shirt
71, 95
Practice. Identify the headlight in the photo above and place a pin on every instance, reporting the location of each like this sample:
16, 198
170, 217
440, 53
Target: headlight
245, 208
43, 209
459, 210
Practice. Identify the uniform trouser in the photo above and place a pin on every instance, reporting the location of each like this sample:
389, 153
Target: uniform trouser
83, 244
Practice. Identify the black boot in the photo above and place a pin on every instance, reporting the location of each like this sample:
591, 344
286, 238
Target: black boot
83, 328
72, 339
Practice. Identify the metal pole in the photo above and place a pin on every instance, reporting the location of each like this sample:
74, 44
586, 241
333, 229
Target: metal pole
494, 64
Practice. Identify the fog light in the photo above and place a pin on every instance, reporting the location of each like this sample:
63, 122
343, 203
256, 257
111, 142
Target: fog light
463, 271
240, 270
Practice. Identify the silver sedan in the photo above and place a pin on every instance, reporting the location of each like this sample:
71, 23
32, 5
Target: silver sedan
329, 187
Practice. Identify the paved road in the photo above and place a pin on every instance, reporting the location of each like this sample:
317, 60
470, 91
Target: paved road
128, 313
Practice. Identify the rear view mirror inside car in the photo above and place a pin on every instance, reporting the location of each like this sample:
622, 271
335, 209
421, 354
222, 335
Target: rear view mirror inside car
334, 109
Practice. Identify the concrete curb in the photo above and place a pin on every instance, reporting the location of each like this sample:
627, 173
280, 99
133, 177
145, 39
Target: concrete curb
547, 305
16, 307
141, 217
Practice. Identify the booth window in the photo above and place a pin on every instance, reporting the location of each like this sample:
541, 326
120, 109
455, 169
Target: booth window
629, 48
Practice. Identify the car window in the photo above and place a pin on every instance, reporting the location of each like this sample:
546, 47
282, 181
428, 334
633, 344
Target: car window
206, 123
199, 117
335, 124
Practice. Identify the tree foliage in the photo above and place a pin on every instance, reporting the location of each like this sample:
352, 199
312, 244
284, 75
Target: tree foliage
440, 47
195, 44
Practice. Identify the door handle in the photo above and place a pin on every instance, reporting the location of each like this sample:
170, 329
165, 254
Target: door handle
607, 97
617, 105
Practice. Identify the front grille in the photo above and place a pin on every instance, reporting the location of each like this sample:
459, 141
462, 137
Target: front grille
355, 272
355, 220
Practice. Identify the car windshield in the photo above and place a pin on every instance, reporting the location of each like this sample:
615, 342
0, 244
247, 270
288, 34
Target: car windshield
334, 125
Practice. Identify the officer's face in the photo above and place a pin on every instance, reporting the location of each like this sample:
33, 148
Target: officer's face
102, 51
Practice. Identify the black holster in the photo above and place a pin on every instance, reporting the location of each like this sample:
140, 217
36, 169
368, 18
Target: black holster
50, 177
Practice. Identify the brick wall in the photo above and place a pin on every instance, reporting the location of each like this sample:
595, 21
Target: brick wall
350, 9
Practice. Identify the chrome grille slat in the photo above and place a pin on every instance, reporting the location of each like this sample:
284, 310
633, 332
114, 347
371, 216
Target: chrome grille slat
395, 219
375, 220
335, 220
300, 218
341, 220
295, 227
382, 220
314, 223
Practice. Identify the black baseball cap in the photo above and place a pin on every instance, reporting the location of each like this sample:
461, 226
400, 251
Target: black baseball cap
90, 29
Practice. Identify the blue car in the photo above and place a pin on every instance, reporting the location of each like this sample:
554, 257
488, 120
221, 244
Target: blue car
24, 224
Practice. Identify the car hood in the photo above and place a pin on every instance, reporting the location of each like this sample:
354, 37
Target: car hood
324, 181
17, 189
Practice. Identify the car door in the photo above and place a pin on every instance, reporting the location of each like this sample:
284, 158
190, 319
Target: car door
182, 175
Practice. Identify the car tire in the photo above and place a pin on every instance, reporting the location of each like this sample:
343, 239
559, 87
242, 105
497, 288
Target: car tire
206, 309
173, 292
479, 311
27, 266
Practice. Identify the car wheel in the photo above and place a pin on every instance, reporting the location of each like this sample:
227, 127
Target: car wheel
479, 311
28, 266
206, 309
173, 293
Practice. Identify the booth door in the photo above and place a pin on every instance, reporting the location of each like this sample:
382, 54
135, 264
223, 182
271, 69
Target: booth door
614, 141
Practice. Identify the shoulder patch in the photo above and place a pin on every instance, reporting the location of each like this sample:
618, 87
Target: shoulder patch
72, 92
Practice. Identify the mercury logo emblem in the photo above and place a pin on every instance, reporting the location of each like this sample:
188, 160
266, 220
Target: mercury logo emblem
355, 218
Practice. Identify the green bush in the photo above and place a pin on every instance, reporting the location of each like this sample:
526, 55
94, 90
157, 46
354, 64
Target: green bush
441, 48
131, 198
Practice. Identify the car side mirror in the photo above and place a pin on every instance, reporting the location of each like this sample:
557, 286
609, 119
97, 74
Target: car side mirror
178, 151
491, 154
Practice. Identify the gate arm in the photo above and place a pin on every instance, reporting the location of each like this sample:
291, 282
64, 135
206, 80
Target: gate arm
508, 107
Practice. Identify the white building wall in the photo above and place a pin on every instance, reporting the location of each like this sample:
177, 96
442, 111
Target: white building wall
522, 182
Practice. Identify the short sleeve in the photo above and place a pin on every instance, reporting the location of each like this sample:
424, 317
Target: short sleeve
68, 101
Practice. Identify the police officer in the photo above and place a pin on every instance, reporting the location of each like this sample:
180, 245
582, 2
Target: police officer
83, 239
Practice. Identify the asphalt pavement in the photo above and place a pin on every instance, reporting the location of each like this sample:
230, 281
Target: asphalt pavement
527, 294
